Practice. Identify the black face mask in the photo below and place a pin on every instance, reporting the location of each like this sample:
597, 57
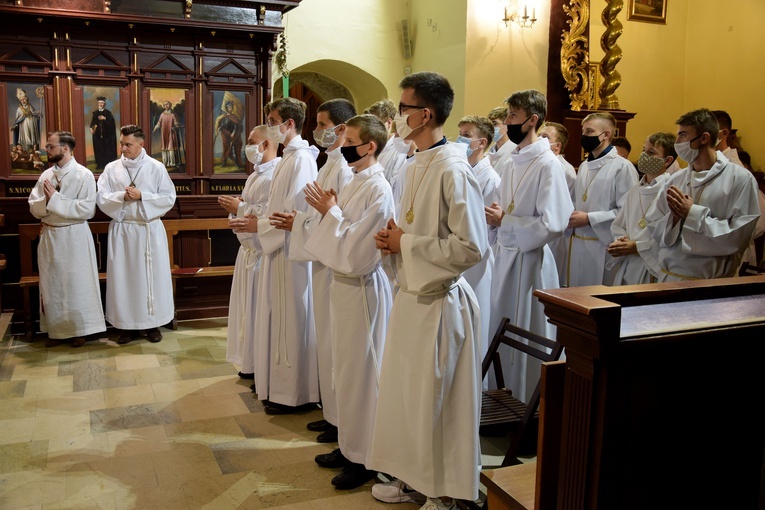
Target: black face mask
590, 142
515, 132
350, 153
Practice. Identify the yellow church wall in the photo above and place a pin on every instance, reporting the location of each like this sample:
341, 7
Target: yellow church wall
503, 59
365, 35
724, 52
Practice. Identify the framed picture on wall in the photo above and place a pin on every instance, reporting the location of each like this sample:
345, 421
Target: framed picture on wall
167, 110
26, 119
102, 123
650, 11
228, 131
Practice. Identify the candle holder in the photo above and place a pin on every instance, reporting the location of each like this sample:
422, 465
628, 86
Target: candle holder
513, 14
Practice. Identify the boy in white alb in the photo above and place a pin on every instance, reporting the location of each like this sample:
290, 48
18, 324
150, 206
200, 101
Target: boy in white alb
360, 293
240, 343
333, 175
704, 216
533, 209
286, 376
601, 182
476, 132
428, 409
633, 249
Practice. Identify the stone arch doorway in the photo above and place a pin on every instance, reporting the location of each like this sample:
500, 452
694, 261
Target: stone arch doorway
321, 80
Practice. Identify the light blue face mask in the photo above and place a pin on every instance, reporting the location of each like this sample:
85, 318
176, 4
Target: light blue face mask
467, 141
497, 135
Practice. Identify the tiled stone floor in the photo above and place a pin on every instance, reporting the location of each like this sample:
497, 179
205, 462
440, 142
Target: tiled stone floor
155, 426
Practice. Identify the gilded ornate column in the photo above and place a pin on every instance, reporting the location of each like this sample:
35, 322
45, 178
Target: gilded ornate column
611, 77
575, 55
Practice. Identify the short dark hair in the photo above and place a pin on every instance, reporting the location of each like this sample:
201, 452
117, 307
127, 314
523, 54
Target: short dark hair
620, 141
703, 121
723, 119
64, 138
290, 108
434, 91
339, 110
132, 129
531, 101
100, 98
384, 109
371, 129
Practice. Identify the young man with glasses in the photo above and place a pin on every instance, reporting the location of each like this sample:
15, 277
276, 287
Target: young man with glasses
64, 199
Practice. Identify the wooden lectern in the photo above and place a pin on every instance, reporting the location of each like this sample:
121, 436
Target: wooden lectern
663, 395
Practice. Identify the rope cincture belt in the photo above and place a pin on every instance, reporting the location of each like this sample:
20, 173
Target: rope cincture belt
149, 266
682, 277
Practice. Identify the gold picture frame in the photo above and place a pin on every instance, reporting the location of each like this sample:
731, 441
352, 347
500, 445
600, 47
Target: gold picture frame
649, 11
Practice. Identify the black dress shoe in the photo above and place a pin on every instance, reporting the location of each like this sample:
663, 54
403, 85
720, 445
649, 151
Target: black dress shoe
246, 376
328, 436
154, 335
252, 388
318, 426
127, 337
335, 459
353, 475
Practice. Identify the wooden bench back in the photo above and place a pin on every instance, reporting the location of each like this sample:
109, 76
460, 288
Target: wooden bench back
172, 227
28, 232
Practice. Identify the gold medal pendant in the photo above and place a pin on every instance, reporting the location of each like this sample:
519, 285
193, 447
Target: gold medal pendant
584, 197
410, 215
511, 207
132, 184
642, 223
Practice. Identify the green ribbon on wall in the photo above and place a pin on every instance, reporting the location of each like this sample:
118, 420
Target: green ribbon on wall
286, 85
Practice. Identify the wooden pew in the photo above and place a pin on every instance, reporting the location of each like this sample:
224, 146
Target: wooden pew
30, 278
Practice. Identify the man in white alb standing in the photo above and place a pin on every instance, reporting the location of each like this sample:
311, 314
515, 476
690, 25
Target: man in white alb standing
135, 191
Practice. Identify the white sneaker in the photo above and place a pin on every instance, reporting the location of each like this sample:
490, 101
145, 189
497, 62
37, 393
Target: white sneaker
437, 504
396, 491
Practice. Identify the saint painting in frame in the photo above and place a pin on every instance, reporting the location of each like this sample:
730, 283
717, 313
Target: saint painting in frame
228, 132
26, 105
102, 117
167, 108
650, 11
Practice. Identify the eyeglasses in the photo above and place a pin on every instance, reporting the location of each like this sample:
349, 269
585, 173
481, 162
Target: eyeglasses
48, 147
402, 107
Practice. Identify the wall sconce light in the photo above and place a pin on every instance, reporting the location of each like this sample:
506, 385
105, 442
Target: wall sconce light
514, 14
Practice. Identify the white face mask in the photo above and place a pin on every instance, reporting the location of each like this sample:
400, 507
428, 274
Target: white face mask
325, 137
402, 127
275, 133
253, 153
686, 152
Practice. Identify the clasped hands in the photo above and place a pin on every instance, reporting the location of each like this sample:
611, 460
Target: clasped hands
48, 189
132, 193
679, 203
622, 247
388, 239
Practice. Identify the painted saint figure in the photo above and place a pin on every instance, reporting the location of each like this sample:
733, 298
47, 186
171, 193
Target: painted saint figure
103, 128
26, 128
169, 127
229, 126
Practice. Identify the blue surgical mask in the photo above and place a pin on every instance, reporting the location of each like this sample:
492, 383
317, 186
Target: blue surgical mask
497, 135
467, 141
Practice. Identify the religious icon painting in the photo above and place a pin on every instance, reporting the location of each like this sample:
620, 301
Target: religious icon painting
167, 108
229, 135
651, 11
26, 119
101, 131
